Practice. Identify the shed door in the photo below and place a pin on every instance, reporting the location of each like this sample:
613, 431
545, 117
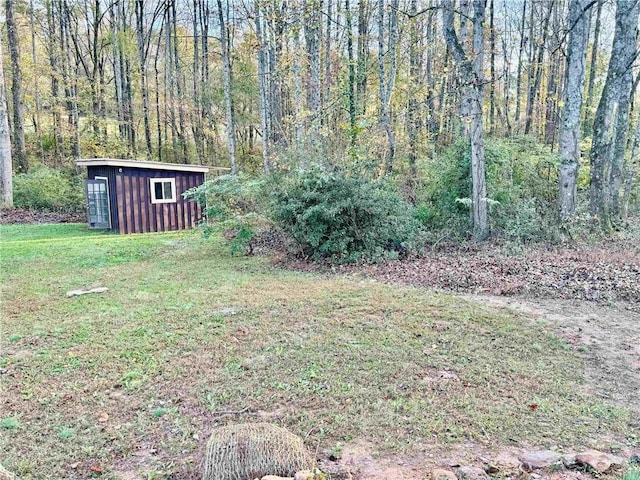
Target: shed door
98, 203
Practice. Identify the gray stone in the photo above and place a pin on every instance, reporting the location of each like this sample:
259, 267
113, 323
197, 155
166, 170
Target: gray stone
539, 459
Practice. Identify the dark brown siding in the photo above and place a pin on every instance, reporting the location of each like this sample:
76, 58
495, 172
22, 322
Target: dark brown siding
130, 200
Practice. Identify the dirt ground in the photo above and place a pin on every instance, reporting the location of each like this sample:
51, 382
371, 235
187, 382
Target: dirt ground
609, 340
589, 294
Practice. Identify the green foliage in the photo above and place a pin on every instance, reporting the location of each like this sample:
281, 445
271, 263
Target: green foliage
48, 189
633, 473
233, 206
343, 218
66, 433
521, 188
10, 423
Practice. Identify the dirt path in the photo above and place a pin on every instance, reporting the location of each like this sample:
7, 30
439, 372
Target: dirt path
609, 337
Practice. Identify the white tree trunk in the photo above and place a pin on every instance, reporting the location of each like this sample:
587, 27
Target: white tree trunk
570, 128
228, 100
6, 166
472, 77
631, 167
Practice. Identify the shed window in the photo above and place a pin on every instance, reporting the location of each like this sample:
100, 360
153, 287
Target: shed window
163, 190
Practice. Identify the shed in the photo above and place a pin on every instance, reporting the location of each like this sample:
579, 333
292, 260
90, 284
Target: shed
130, 196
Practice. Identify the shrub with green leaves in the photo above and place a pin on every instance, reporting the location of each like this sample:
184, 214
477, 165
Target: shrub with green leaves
343, 218
48, 189
233, 206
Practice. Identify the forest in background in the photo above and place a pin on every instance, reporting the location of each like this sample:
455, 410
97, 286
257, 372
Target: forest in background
516, 112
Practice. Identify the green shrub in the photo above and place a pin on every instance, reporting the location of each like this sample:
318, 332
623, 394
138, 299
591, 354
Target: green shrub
233, 206
48, 189
342, 218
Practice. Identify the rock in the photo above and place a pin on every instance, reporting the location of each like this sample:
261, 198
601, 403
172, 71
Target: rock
275, 477
441, 474
75, 293
304, 475
471, 473
599, 461
539, 459
569, 460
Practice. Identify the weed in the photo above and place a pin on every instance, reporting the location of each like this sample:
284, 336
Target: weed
10, 423
66, 433
633, 473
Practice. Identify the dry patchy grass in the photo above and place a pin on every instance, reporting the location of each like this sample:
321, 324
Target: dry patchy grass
188, 337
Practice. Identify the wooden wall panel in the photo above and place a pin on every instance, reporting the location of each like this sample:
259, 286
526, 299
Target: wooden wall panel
120, 199
135, 195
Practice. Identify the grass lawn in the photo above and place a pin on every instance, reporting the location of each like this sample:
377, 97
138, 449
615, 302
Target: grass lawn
188, 337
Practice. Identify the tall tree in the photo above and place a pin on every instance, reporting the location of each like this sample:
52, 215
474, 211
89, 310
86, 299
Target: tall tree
623, 54
519, 82
6, 167
632, 165
313, 26
16, 88
351, 88
471, 67
534, 86
387, 77
570, 127
593, 65
263, 83
226, 75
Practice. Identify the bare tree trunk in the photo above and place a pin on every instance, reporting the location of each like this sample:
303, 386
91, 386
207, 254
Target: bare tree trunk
570, 127
36, 80
492, 85
312, 36
297, 83
179, 82
414, 77
472, 72
534, 87
506, 74
630, 171
53, 49
592, 68
623, 53
352, 74
16, 89
264, 89
142, 64
6, 166
619, 146
363, 54
228, 100
519, 70
387, 80
327, 64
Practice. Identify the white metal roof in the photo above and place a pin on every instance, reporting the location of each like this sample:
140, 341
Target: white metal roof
116, 162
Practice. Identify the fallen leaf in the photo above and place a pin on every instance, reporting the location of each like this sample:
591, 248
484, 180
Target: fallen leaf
96, 468
533, 406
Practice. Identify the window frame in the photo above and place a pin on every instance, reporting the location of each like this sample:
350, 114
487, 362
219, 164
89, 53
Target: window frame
152, 184
106, 179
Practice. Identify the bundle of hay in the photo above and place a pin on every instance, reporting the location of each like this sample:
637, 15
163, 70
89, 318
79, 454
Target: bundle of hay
252, 450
